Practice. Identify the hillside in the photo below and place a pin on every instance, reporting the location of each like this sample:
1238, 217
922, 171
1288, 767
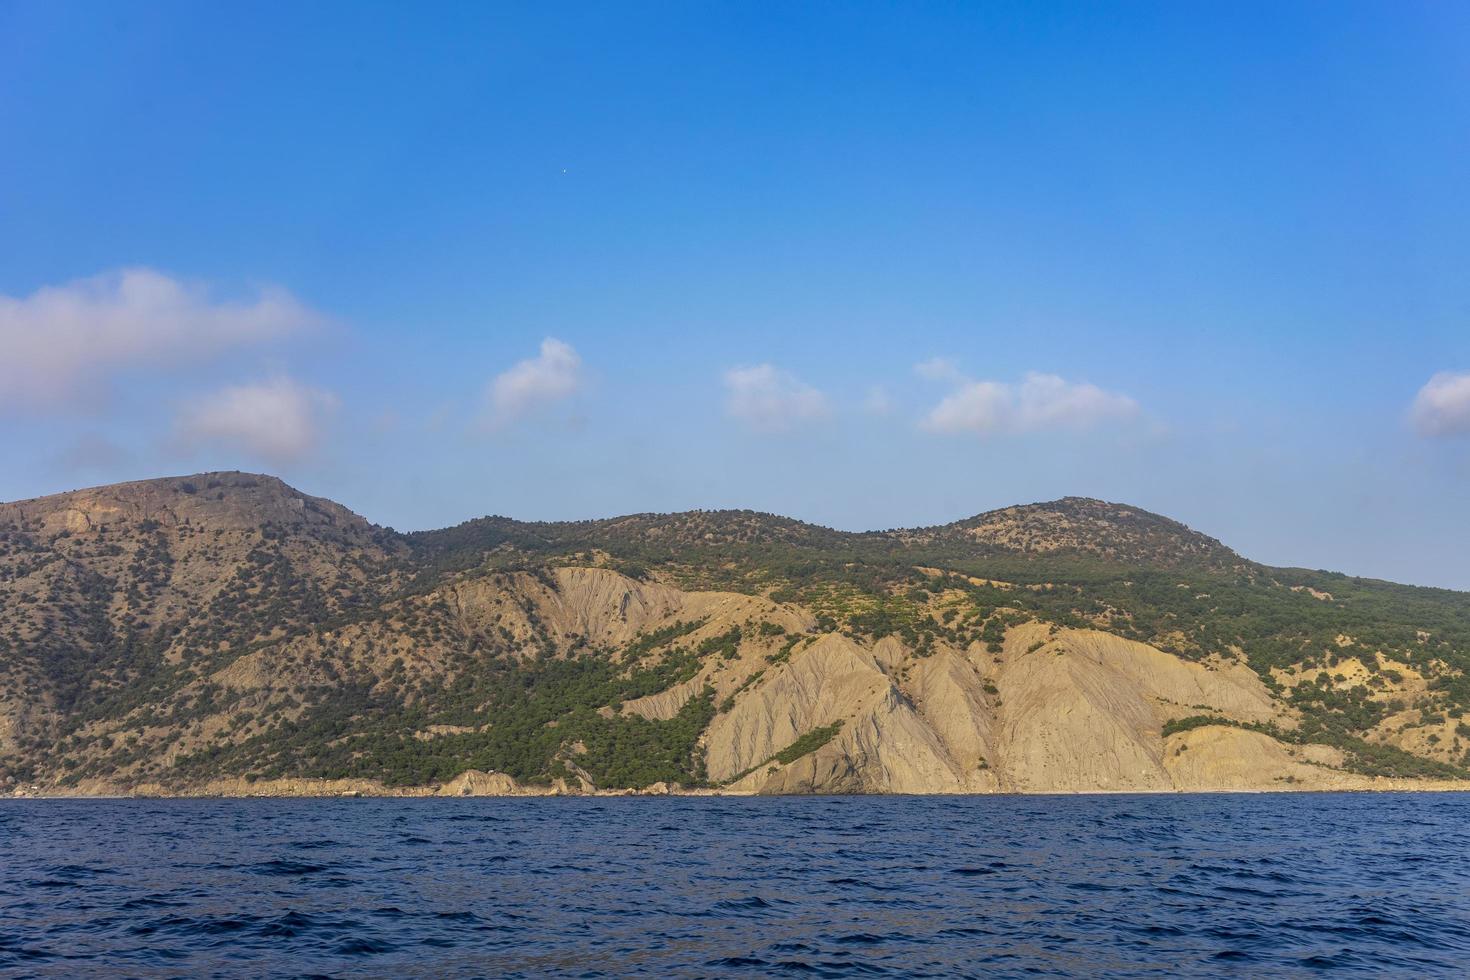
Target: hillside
226, 633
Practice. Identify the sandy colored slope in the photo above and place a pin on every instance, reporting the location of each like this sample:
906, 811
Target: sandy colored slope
1056, 711
1085, 709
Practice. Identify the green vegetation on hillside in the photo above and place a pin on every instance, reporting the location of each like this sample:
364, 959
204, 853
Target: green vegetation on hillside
808, 743
536, 721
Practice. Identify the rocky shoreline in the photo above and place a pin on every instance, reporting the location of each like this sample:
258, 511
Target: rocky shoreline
475, 783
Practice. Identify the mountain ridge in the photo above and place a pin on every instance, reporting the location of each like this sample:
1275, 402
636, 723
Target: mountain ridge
214, 482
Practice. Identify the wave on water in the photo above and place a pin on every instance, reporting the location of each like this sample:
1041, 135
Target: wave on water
1281, 885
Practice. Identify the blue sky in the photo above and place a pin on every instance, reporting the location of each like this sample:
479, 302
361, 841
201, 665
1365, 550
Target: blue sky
869, 265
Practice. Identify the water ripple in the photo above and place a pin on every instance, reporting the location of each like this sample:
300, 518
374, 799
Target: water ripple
1280, 885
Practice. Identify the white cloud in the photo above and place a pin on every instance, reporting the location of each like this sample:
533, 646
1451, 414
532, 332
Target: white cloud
1046, 401
553, 375
278, 420
938, 369
1041, 402
1442, 407
61, 342
976, 406
770, 400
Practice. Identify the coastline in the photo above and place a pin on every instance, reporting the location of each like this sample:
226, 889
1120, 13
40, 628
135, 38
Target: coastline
362, 789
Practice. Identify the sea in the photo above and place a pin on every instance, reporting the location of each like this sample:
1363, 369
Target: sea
1297, 884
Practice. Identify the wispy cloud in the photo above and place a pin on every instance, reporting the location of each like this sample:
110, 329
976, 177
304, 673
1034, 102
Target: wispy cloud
878, 401
767, 399
1039, 403
91, 453
554, 375
61, 343
278, 421
938, 369
1442, 407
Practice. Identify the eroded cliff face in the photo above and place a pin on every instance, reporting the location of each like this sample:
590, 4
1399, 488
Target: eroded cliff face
1056, 711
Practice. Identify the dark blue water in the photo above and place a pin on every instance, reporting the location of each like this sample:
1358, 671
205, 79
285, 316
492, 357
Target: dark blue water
826, 887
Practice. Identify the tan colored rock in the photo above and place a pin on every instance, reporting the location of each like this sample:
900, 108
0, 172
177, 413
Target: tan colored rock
475, 782
886, 748
1069, 722
666, 704
608, 607
1057, 711
1219, 757
948, 691
828, 681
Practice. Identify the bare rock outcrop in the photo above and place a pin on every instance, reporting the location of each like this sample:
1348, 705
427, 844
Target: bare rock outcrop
831, 680
475, 782
1057, 711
